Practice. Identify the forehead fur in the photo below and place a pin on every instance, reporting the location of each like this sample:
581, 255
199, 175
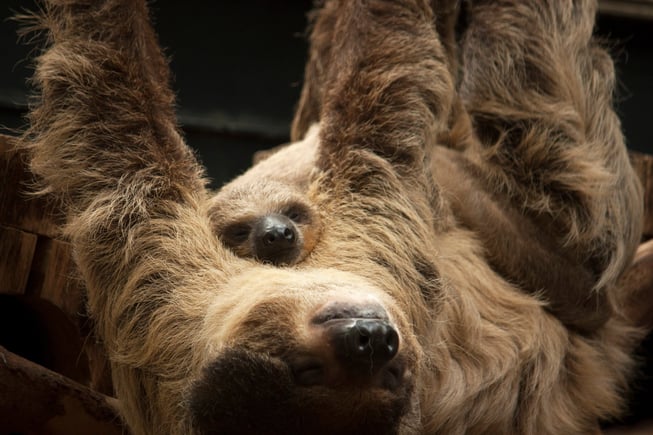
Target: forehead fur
291, 164
274, 183
238, 201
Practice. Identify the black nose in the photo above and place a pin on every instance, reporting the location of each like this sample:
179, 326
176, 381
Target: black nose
364, 342
276, 239
277, 230
360, 333
356, 345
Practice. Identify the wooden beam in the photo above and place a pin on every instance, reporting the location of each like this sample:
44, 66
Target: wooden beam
637, 287
639, 9
34, 399
53, 276
20, 209
16, 251
643, 165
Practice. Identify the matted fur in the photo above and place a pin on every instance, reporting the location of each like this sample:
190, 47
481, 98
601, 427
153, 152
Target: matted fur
201, 340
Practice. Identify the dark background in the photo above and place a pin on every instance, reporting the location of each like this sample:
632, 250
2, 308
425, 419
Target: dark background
238, 68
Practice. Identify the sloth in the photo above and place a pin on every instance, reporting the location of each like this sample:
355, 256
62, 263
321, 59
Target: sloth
406, 305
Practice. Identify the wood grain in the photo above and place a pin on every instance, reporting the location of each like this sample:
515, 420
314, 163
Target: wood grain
16, 253
18, 208
643, 165
34, 399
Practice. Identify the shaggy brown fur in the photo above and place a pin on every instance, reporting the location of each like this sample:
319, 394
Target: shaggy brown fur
557, 199
201, 340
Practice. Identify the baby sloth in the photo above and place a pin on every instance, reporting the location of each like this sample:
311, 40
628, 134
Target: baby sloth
265, 214
279, 231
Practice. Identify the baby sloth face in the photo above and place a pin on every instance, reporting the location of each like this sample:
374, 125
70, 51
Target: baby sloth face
280, 236
271, 222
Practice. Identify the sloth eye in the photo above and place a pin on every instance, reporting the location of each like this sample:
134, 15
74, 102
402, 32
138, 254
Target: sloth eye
236, 234
298, 213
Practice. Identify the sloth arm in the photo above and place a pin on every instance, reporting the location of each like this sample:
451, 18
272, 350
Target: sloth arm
518, 247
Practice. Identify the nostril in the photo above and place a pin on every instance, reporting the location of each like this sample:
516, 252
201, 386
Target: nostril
374, 339
289, 234
270, 237
280, 236
275, 231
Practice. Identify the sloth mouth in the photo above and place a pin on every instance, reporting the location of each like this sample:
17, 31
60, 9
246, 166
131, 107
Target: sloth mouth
310, 371
279, 256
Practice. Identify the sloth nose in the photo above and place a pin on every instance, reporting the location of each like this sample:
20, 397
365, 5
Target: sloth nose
276, 230
355, 344
363, 343
360, 332
275, 239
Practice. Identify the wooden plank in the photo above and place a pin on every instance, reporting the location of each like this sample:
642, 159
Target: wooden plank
53, 276
18, 208
644, 427
16, 253
34, 400
643, 165
637, 285
639, 9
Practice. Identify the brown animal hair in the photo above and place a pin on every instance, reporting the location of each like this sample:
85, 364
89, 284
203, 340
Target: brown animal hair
202, 341
562, 215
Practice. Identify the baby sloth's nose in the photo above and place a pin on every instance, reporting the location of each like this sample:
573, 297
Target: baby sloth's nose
276, 240
275, 231
354, 344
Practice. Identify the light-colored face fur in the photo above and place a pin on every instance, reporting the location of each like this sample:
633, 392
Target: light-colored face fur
278, 185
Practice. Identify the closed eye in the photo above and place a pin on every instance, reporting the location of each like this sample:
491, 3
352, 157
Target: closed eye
236, 234
298, 213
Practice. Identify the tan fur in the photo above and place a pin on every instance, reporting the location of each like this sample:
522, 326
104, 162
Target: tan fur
196, 334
